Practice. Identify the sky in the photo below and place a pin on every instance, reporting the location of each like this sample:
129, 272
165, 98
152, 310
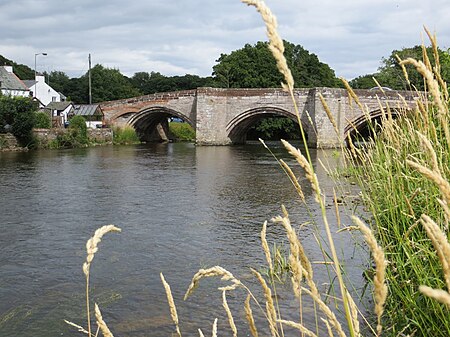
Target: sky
176, 37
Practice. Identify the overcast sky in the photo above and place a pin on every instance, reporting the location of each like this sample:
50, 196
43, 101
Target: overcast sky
176, 37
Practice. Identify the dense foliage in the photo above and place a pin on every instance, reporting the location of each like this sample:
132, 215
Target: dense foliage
254, 67
390, 74
125, 135
274, 128
155, 82
76, 135
181, 132
42, 120
17, 115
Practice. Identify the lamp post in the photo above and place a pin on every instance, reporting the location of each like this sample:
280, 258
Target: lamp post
35, 72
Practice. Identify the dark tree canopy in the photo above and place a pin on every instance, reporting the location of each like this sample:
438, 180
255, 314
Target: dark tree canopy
155, 82
390, 73
22, 71
253, 66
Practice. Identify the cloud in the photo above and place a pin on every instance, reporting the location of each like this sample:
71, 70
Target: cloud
178, 37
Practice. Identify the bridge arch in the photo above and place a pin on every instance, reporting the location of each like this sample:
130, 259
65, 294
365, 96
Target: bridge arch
238, 127
363, 125
149, 121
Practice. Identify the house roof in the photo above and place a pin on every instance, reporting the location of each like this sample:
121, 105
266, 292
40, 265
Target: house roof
10, 81
88, 110
60, 106
29, 83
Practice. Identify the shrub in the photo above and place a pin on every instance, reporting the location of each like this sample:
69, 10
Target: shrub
42, 120
78, 130
181, 131
125, 135
19, 113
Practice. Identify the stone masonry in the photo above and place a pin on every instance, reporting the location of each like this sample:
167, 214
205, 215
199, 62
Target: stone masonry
223, 116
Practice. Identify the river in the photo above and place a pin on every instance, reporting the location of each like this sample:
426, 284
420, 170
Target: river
180, 208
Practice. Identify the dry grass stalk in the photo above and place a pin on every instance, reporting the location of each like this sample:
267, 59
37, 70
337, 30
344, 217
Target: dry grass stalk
265, 246
249, 317
294, 258
80, 328
92, 248
433, 84
329, 114
293, 179
298, 326
446, 209
437, 68
327, 324
351, 93
354, 312
173, 308
428, 147
405, 73
331, 317
229, 315
214, 328
440, 243
92, 244
380, 271
276, 45
304, 163
437, 294
270, 307
101, 323
210, 272
434, 176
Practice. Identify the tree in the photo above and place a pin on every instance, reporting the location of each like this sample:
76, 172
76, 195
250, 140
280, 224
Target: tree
19, 114
155, 82
59, 81
107, 84
390, 73
253, 66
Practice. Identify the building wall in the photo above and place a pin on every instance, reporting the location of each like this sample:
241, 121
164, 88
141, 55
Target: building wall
43, 92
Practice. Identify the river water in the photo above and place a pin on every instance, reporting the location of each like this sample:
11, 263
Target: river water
180, 208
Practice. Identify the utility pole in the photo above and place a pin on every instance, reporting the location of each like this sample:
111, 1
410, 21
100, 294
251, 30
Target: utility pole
90, 83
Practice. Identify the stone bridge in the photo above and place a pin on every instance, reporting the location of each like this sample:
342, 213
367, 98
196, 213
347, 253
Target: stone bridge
223, 116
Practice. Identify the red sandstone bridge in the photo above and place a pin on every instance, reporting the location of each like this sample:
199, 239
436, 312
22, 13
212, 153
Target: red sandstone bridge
223, 116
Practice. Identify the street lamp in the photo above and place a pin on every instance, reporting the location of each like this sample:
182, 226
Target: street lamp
35, 56
35, 72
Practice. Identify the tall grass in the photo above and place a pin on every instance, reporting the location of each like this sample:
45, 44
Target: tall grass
125, 135
404, 175
181, 132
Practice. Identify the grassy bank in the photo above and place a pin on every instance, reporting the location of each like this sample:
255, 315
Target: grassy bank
404, 176
181, 132
125, 135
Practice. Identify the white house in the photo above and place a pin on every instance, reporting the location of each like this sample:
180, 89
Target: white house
59, 111
42, 91
10, 84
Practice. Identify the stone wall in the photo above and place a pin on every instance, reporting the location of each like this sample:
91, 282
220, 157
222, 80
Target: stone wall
9, 143
97, 136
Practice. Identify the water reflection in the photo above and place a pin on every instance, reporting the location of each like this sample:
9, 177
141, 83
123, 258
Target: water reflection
181, 208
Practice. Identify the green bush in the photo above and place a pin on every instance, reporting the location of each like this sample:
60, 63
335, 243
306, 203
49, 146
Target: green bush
42, 120
78, 130
19, 114
181, 132
125, 135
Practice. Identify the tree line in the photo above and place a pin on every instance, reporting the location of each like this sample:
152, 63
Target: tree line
249, 67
